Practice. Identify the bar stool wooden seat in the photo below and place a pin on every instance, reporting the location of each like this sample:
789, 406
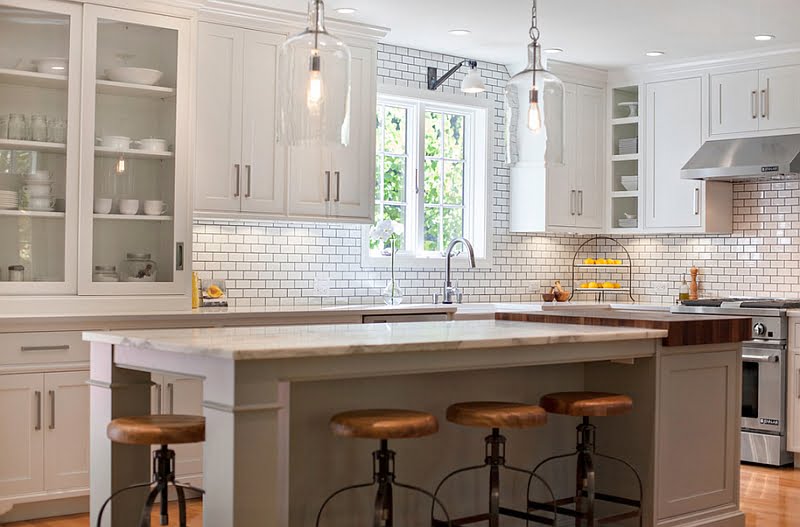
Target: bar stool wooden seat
495, 415
161, 430
587, 405
383, 425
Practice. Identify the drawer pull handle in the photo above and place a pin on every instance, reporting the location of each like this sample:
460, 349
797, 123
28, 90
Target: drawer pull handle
38, 395
158, 399
52, 395
171, 397
32, 349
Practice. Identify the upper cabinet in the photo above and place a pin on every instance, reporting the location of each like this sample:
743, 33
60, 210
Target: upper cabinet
39, 146
239, 167
243, 168
135, 157
573, 192
756, 100
674, 132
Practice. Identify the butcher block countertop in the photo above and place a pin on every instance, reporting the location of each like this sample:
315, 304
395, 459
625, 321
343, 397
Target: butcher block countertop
682, 330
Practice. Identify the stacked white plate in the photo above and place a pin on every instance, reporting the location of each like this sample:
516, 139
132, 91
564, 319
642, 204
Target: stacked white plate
628, 223
9, 200
628, 146
629, 183
36, 194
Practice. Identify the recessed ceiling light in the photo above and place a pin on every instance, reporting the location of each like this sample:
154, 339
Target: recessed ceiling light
764, 37
346, 10
460, 32
654, 53
554, 50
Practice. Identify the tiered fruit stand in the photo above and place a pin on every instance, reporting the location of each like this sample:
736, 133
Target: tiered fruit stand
601, 271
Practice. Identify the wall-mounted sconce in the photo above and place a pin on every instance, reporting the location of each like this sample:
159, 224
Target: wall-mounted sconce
472, 83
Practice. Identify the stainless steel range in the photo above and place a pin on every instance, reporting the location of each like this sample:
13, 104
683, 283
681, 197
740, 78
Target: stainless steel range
764, 370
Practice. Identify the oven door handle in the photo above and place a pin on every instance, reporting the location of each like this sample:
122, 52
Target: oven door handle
760, 358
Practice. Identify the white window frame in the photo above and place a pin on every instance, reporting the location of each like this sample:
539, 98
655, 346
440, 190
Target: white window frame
478, 187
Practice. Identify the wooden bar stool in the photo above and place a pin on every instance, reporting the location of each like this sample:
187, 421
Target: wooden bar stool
383, 425
497, 415
586, 405
161, 430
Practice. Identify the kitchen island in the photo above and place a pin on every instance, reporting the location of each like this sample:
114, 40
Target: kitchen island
269, 391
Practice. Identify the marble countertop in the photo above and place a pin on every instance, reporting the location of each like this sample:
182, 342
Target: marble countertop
284, 342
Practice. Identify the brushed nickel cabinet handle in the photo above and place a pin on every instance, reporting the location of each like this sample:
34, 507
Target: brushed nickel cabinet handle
580, 203
158, 399
171, 397
338, 185
720, 103
52, 395
572, 202
753, 104
696, 201
237, 169
248, 170
179, 257
38, 395
763, 103
328, 186
32, 349
766, 100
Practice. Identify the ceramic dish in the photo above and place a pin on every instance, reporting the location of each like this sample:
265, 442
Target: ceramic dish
152, 145
633, 108
119, 142
52, 65
142, 76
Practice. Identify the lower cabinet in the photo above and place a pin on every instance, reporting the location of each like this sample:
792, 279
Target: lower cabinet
181, 395
793, 399
44, 440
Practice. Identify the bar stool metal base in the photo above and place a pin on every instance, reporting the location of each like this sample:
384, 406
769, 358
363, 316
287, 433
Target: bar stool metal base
586, 495
163, 477
383, 476
495, 460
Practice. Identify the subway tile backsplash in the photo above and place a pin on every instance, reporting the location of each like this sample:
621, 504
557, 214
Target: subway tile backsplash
276, 262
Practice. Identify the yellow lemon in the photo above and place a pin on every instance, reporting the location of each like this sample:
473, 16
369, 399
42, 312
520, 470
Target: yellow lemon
589, 261
608, 285
584, 285
601, 261
617, 286
593, 285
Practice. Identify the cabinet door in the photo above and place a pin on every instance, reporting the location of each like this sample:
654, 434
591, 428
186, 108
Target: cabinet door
218, 152
793, 400
780, 98
264, 175
674, 133
309, 181
21, 436
184, 396
131, 177
734, 102
589, 164
353, 179
66, 425
562, 198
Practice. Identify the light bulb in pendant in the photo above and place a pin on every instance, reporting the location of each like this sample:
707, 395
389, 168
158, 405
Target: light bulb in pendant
534, 111
120, 166
314, 91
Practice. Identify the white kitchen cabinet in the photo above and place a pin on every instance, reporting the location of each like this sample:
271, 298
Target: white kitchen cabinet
674, 117
575, 190
239, 165
755, 100
22, 435
66, 428
184, 396
115, 37
793, 391
340, 182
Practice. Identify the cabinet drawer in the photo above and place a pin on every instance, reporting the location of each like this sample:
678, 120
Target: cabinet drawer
36, 348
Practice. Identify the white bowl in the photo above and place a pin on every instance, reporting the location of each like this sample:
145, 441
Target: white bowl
120, 142
630, 186
152, 145
143, 76
52, 65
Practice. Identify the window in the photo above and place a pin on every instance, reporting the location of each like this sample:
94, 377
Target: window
431, 174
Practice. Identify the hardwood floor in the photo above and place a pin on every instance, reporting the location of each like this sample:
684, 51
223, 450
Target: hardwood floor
770, 498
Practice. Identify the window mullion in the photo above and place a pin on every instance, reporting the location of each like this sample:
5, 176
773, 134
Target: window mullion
419, 205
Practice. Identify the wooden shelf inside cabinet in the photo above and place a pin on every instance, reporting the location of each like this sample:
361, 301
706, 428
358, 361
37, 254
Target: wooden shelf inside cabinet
627, 157
125, 89
131, 217
32, 79
32, 146
33, 214
105, 151
625, 120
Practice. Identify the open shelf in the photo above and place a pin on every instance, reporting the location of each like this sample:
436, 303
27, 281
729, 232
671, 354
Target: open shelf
131, 217
625, 194
33, 146
32, 79
628, 157
125, 89
601, 266
601, 290
32, 214
625, 120
105, 151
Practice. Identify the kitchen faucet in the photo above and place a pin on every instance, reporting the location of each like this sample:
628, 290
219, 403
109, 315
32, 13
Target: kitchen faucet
450, 294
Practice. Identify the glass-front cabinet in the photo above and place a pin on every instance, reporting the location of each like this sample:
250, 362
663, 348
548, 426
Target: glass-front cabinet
134, 191
40, 64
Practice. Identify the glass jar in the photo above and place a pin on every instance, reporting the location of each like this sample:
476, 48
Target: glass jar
16, 273
138, 267
38, 127
3, 126
56, 130
17, 127
105, 273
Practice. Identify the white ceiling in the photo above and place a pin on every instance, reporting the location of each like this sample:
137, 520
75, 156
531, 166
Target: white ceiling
601, 33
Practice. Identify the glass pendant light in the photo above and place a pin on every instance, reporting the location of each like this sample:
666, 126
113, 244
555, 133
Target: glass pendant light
314, 75
534, 102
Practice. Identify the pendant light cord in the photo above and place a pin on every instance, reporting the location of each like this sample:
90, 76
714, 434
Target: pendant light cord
316, 24
534, 34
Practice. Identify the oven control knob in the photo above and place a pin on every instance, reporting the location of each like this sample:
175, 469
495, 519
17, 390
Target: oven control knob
759, 330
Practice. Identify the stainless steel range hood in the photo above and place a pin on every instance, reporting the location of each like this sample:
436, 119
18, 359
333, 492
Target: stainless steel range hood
776, 157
